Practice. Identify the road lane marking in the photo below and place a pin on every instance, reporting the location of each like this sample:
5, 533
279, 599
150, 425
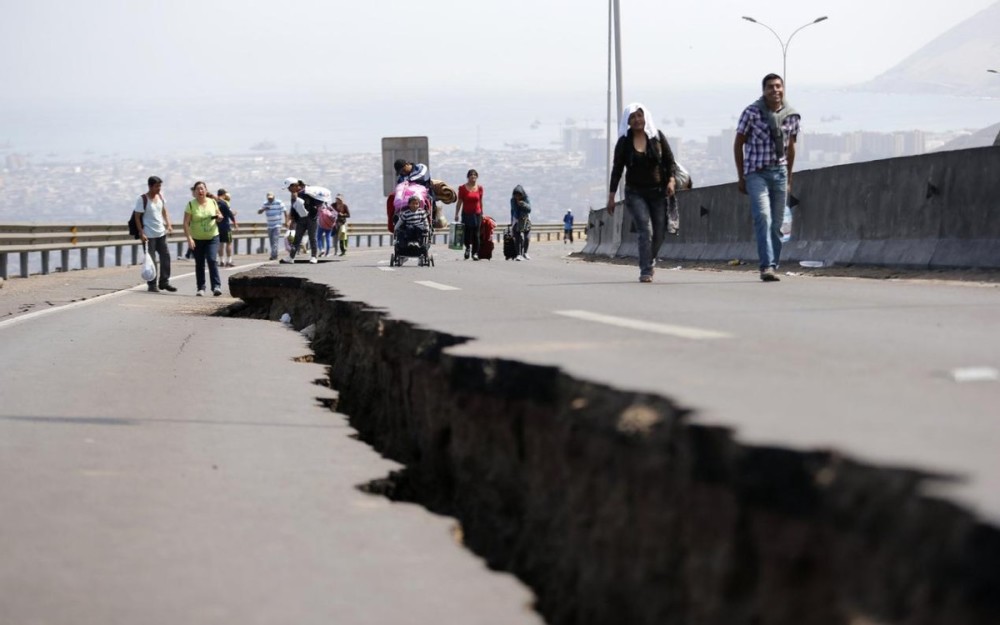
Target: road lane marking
386, 269
102, 298
684, 332
975, 374
437, 285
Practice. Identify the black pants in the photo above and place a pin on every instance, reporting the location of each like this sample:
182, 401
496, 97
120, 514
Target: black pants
302, 226
471, 222
158, 247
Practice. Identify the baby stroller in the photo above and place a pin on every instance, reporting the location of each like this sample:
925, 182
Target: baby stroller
412, 244
414, 229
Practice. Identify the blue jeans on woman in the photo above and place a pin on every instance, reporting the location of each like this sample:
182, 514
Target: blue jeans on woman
648, 209
768, 191
324, 238
206, 250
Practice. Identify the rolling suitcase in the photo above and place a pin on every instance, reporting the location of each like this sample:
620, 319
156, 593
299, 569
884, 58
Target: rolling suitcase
486, 249
509, 245
486, 238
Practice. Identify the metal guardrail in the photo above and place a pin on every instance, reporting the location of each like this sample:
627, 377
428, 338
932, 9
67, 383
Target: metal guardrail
44, 239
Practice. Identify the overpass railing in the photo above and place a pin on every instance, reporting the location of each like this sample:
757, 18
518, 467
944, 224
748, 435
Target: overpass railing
42, 241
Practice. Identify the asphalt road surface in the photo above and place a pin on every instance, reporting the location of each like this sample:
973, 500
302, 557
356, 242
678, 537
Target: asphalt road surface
158, 465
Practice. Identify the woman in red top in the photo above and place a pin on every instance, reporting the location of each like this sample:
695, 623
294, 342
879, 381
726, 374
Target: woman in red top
470, 206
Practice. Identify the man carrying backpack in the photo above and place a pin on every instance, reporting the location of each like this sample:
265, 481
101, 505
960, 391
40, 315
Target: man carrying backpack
153, 223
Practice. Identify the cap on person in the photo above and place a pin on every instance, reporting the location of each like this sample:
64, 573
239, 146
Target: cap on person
270, 196
289, 182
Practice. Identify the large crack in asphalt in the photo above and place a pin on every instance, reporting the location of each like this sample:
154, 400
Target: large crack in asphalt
615, 507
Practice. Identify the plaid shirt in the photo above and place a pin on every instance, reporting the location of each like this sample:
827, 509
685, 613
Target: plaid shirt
759, 149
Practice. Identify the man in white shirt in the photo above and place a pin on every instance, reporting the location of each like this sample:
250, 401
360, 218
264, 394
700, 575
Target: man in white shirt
153, 223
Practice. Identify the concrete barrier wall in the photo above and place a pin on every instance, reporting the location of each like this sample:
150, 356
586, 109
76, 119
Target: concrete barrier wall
933, 210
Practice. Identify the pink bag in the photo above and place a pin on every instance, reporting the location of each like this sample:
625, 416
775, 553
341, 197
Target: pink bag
327, 218
406, 190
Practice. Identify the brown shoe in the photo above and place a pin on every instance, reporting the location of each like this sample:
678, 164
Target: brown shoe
768, 275
645, 278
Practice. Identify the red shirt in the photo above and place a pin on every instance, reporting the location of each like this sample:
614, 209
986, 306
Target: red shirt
472, 201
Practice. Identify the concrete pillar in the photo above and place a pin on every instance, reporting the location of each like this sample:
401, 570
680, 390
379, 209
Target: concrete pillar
100, 257
45, 262
118, 256
24, 264
83, 258
135, 254
64, 260
3, 266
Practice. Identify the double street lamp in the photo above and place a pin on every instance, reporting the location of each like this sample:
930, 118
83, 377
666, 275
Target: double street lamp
784, 43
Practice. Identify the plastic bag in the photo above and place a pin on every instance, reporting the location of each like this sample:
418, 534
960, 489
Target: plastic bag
148, 268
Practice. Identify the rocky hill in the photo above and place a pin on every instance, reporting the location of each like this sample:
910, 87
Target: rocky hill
955, 63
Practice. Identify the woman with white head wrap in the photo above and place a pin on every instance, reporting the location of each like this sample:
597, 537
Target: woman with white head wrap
644, 155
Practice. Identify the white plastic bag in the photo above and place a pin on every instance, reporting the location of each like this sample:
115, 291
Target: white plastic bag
148, 268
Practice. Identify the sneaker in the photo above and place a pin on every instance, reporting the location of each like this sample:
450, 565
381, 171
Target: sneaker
216, 291
645, 278
168, 287
467, 253
229, 263
526, 257
288, 260
768, 275
313, 260
475, 257
200, 293
518, 258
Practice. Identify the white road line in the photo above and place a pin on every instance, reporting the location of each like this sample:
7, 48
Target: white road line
975, 374
437, 285
102, 298
684, 332
386, 269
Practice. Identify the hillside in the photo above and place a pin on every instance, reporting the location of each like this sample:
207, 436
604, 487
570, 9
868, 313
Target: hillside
954, 63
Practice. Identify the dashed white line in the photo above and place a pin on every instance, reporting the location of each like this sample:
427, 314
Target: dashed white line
975, 374
437, 285
684, 332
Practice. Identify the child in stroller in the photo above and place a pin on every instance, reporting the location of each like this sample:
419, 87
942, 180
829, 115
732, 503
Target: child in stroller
413, 232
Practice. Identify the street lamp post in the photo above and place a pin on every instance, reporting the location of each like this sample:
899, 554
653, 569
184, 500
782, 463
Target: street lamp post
785, 43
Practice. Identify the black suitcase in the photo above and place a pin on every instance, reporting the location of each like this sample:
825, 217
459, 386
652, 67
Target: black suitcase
509, 245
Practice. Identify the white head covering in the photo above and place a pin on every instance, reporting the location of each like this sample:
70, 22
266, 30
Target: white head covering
632, 108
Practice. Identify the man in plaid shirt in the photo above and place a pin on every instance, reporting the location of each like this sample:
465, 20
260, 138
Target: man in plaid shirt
765, 152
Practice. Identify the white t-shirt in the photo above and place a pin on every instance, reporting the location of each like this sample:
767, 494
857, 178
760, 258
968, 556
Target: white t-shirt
152, 219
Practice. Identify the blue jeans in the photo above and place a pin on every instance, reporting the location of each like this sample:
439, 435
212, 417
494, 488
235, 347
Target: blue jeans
649, 212
274, 236
768, 189
324, 239
206, 251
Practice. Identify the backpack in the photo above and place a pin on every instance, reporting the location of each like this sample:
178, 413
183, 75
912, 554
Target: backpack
133, 231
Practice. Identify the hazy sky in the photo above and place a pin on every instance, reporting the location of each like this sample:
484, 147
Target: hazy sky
225, 49
130, 76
